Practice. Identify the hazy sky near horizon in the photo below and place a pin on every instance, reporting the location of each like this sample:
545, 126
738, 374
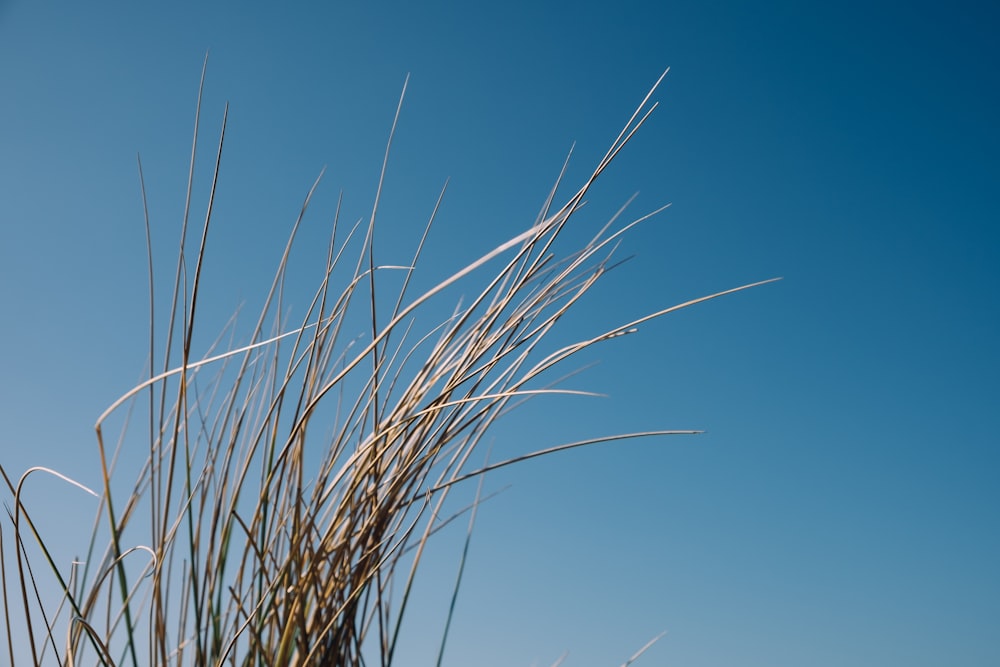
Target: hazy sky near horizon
842, 507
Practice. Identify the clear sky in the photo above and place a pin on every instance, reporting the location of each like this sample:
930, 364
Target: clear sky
842, 507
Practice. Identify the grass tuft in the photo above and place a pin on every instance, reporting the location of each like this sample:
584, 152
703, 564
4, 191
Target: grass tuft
291, 483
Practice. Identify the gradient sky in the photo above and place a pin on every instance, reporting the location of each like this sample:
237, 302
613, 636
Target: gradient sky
842, 507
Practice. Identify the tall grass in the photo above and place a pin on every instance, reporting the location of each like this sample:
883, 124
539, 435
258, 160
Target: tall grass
292, 482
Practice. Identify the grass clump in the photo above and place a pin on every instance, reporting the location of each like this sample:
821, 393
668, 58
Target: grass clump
291, 483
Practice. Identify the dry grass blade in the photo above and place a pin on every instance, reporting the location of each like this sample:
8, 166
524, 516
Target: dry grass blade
646, 647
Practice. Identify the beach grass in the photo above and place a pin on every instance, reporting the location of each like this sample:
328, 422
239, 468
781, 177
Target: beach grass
293, 477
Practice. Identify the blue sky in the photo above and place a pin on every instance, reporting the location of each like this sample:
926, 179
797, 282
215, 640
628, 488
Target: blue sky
842, 507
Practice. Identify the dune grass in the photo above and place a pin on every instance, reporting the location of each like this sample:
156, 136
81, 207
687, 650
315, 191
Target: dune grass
292, 482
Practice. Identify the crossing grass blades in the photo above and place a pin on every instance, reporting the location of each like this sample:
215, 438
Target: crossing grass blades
262, 532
